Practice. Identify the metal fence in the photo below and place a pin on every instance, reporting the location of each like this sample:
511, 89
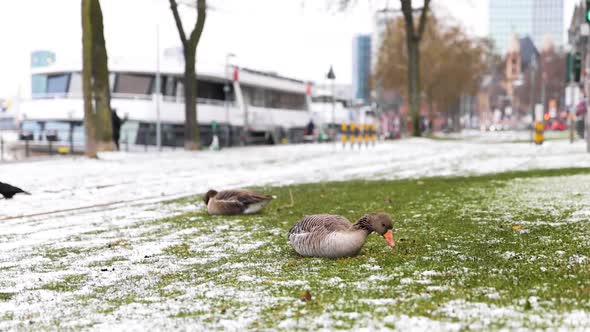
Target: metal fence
41, 141
136, 137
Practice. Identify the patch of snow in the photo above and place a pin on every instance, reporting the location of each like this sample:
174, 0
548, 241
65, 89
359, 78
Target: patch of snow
430, 273
370, 267
509, 255
438, 288
577, 259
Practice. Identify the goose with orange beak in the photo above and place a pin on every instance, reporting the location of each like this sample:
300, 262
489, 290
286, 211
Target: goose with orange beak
326, 235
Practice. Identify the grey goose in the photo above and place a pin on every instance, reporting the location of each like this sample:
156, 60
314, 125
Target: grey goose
326, 235
231, 202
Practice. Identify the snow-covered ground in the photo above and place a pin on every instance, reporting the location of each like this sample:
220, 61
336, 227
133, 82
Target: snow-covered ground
65, 186
503, 136
74, 197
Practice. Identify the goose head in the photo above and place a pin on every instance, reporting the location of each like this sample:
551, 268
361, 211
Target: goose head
381, 224
208, 195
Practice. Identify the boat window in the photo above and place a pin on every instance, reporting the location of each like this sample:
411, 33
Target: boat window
58, 83
179, 87
257, 97
62, 129
272, 99
112, 82
292, 100
163, 82
78, 135
7, 124
210, 90
260, 97
38, 84
134, 84
75, 85
168, 88
32, 126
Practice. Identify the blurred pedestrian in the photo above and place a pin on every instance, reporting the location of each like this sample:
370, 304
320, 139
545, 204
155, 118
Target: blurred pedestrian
310, 127
117, 123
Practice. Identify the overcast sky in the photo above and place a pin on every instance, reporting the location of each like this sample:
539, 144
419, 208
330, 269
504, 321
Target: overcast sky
298, 38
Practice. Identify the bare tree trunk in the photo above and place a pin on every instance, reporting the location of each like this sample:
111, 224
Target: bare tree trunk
413, 38
414, 88
95, 81
192, 139
104, 127
191, 127
87, 46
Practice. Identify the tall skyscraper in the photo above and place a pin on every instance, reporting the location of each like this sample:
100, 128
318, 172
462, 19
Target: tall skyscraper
361, 67
534, 18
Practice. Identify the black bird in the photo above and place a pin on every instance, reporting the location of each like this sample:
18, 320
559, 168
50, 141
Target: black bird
8, 191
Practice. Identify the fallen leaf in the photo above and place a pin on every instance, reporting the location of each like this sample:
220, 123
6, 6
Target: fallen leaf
517, 227
305, 296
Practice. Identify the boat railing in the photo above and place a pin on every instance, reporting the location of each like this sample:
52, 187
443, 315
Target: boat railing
132, 96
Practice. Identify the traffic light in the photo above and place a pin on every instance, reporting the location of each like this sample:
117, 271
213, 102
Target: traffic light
573, 67
577, 67
587, 12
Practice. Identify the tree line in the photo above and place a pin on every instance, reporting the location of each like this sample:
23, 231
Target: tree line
451, 64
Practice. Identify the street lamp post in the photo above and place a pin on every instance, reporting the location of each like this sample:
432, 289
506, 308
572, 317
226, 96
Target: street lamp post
332, 77
379, 109
533, 71
158, 91
226, 90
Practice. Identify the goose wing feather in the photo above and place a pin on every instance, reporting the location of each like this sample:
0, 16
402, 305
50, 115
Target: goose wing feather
245, 197
226, 207
321, 224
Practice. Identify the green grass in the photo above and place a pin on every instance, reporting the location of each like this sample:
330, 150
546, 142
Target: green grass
446, 225
6, 296
68, 284
503, 241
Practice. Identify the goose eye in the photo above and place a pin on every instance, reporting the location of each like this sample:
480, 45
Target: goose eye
383, 225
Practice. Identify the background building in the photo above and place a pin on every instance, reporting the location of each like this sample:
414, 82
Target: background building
534, 18
361, 67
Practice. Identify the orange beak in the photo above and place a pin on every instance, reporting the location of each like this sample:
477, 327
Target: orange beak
389, 238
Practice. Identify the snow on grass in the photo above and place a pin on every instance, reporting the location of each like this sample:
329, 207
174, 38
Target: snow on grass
145, 264
66, 183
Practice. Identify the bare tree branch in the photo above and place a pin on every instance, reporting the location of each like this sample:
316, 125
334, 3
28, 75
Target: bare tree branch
178, 21
191, 127
423, 17
409, 17
199, 25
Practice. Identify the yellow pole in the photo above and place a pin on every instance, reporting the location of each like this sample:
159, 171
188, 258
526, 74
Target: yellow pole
344, 135
352, 135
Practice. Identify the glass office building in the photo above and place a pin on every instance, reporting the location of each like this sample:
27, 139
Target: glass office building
361, 67
534, 18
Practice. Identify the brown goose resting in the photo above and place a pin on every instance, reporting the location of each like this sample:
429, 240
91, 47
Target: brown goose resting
326, 235
230, 202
